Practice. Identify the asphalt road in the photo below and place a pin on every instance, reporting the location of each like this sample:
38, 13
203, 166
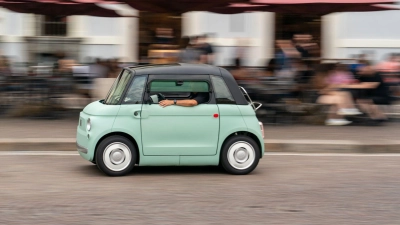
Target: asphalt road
284, 189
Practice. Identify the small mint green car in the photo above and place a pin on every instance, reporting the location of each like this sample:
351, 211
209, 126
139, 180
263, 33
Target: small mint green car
129, 127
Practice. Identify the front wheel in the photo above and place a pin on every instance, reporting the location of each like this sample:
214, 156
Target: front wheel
240, 155
116, 156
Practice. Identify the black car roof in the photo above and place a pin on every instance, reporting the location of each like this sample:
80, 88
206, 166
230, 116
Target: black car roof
176, 69
193, 69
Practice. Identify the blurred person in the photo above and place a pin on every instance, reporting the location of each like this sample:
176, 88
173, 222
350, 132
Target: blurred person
359, 63
64, 64
206, 50
271, 67
340, 75
285, 51
389, 65
341, 102
113, 66
302, 76
298, 43
280, 57
390, 70
304, 45
372, 93
4, 66
5, 72
238, 72
98, 69
187, 53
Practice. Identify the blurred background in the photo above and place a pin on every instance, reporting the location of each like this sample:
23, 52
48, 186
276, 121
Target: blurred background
327, 73
59, 55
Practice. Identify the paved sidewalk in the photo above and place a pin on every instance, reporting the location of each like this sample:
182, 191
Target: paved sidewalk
40, 134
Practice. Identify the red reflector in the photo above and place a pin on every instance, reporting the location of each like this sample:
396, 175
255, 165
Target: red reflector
215, 115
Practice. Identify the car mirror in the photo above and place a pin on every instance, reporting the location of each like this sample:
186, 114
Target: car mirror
152, 99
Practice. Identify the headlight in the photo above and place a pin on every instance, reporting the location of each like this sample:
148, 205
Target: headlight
88, 125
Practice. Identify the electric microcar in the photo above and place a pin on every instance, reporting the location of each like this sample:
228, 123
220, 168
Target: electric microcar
130, 127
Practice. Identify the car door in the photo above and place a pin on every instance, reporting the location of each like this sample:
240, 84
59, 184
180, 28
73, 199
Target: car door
128, 119
178, 130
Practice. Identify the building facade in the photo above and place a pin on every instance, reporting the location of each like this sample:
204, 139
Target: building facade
24, 37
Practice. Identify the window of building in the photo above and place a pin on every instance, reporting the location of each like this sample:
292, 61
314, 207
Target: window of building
54, 26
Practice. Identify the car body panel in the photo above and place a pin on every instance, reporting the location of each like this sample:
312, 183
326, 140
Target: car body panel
129, 123
159, 160
252, 124
202, 160
231, 121
177, 130
101, 118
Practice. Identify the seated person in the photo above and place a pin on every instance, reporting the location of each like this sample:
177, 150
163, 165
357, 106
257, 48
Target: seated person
340, 102
195, 98
372, 92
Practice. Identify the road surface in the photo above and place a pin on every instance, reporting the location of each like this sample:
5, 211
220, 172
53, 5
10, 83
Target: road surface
284, 189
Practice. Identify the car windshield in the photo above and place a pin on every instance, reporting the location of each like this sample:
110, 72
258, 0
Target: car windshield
114, 95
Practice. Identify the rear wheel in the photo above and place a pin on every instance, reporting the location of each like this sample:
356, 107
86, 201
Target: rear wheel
240, 155
116, 156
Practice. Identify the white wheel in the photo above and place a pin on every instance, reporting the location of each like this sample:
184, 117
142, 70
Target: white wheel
241, 155
117, 156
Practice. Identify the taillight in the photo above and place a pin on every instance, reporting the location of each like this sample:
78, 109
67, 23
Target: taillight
262, 128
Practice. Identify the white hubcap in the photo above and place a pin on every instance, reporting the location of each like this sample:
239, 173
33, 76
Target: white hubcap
117, 156
241, 155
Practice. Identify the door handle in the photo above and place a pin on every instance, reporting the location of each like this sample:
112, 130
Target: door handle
136, 114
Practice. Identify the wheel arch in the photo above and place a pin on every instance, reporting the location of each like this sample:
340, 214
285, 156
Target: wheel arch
129, 137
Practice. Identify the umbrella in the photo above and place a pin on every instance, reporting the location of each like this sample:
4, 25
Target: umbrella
323, 7
175, 6
239, 8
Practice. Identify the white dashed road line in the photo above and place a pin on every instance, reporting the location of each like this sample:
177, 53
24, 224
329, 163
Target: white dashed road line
74, 153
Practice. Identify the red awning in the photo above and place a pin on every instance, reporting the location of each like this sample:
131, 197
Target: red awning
287, 2
90, 7
173, 6
309, 8
321, 7
58, 8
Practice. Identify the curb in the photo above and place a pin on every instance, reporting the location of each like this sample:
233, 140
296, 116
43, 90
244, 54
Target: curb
38, 144
299, 146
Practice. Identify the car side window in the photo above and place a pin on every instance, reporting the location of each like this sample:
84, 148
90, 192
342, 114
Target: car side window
177, 89
134, 95
222, 93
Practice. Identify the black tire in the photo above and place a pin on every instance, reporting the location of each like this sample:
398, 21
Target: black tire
114, 144
252, 150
